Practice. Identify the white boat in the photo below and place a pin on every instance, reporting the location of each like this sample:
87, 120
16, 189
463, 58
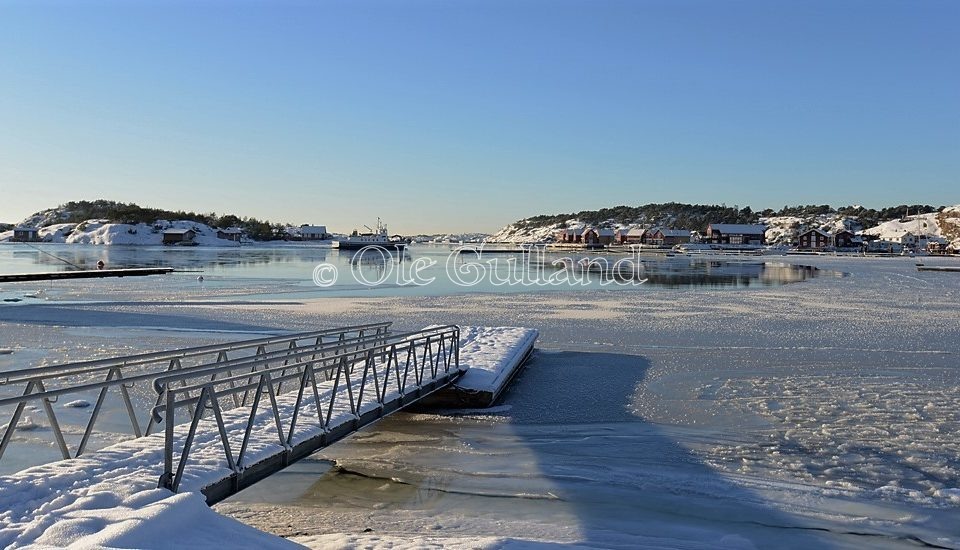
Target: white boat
375, 237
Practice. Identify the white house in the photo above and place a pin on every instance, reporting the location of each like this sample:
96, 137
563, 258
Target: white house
313, 232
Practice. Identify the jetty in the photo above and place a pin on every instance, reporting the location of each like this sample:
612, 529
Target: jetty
952, 268
85, 274
224, 416
496, 356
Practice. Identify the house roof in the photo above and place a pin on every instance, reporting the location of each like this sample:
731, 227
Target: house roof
675, 232
814, 230
738, 228
177, 231
313, 229
25, 228
606, 232
587, 230
632, 231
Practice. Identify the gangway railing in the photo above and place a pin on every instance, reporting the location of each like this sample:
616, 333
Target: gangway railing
329, 397
44, 385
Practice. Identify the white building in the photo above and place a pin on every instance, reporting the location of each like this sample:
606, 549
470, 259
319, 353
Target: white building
314, 232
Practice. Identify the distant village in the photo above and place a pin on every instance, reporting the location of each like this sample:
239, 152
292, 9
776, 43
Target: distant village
749, 236
810, 229
716, 236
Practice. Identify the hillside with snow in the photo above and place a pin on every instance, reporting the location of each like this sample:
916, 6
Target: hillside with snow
541, 234
781, 229
944, 224
446, 238
534, 234
105, 233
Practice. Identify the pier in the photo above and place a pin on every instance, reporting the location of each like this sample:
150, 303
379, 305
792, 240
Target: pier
948, 268
85, 274
216, 419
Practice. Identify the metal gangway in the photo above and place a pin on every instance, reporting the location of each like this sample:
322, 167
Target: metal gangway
225, 416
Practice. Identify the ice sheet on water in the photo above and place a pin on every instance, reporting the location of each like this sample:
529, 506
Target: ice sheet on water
861, 433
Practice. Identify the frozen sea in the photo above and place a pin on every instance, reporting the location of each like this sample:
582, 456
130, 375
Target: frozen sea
773, 408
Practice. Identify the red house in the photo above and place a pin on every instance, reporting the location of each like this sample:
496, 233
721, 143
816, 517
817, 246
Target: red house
633, 235
846, 239
736, 234
606, 236
668, 237
814, 239
589, 236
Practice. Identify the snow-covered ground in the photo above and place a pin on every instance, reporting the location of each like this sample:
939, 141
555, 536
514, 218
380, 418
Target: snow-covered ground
815, 414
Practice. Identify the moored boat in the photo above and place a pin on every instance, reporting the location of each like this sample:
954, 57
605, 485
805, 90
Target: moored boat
375, 237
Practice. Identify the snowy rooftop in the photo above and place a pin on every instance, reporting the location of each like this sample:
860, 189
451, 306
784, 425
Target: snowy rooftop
738, 228
815, 230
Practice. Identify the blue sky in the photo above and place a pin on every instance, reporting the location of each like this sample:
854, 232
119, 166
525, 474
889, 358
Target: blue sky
466, 115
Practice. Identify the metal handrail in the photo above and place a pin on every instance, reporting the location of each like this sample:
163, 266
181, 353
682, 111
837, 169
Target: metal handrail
214, 369
34, 379
203, 368
283, 376
349, 356
23, 375
438, 348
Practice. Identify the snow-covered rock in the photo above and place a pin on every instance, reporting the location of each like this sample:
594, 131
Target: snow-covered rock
452, 238
541, 234
103, 232
514, 234
943, 226
783, 229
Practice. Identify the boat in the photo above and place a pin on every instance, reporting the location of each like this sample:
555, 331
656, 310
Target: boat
374, 237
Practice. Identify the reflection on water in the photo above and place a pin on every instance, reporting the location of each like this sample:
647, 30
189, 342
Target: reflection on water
283, 270
699, 272
684, 272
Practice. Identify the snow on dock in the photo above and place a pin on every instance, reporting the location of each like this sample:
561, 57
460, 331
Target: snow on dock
110, 497
493, 356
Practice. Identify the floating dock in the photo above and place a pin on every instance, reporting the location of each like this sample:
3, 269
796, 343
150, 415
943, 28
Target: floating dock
953, 268
482, 251
85, 274
492, 356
